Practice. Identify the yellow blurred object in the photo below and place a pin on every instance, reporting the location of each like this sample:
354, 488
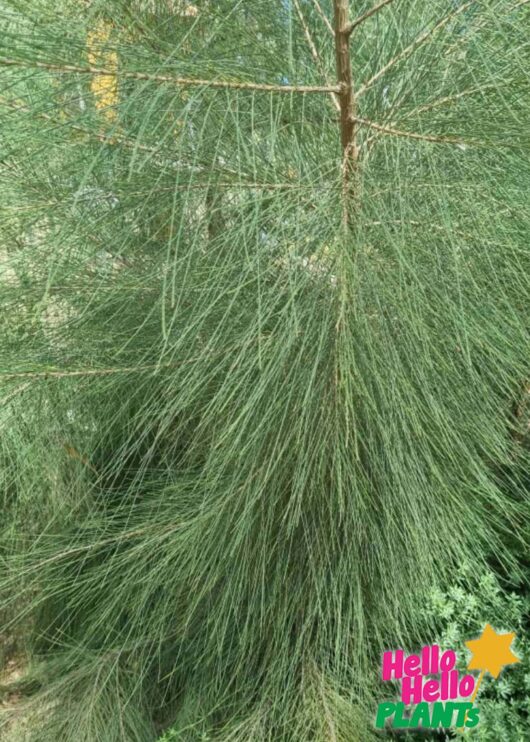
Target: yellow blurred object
103, 87
191, 11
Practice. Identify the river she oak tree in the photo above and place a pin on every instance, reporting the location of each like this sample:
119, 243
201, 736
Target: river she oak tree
264, 351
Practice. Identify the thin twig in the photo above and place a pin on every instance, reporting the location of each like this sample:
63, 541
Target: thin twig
53, 374
314, 52
57, 374
368, 14
433, 104
69, 373
476, 24
449, 99
111, 139
241, 184
414, 135
132, 144
324, 17
22, 388
182, 81
125, 536
413, 46
424, 224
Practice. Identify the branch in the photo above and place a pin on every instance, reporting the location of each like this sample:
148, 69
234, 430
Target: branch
69, 373
314, 51
183, 81
413, 46
368, 14
414, 135
110, 139
476, 24
434, 104
450, 98
62, 374
324, 17
14, 393
133, 144
425, 224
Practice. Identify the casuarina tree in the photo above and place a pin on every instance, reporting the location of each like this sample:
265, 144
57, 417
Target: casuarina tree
264, 358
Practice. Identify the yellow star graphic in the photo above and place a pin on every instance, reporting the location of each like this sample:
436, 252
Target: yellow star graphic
491, 652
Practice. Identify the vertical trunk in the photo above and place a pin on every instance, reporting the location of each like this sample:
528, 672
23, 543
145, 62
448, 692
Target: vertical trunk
347, 102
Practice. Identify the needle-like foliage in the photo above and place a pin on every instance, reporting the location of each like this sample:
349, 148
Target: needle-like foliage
242, 434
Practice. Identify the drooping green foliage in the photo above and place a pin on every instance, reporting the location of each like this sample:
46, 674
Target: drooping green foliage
241, 440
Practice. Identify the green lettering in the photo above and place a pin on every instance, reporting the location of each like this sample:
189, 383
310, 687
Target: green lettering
400, 721
421, 716
472, 718
384, 710
463, 709
442, 714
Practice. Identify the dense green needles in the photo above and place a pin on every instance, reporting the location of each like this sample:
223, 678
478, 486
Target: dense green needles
241, 436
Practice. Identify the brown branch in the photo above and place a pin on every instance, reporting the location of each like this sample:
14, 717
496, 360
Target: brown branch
182, 81
324, 17
348, 109
414, 135
369, 13
413, 46
314, 51
450, 98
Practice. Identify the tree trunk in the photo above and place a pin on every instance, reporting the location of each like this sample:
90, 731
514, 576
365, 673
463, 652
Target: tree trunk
347, 103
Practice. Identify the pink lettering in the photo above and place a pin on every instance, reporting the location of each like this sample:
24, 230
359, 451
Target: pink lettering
393, 665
